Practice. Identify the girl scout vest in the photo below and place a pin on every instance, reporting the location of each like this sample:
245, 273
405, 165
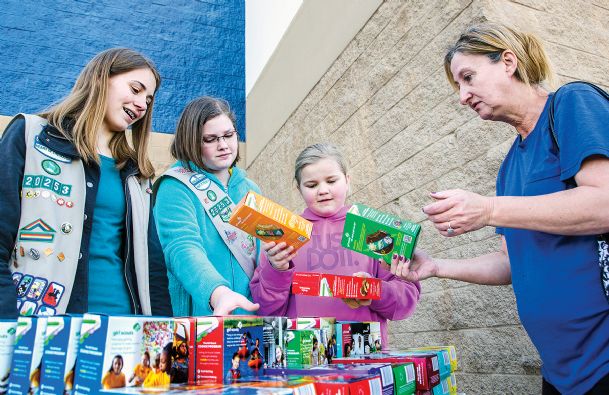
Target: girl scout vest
219, 207
47, 248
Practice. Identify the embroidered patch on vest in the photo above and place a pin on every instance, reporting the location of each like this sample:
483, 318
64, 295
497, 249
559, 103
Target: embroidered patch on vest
37, 181
17, 278
46, 151
45, 310
51, 167
37, 231
200, 182
37, 289
231, 236
221, 208
27, 308
250, 246
53, 294
24, 285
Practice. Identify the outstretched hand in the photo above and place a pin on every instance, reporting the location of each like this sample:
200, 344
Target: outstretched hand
456, 211
225, 301
420, 267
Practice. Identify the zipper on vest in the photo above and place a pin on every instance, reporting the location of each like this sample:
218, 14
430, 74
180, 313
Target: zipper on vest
127, 228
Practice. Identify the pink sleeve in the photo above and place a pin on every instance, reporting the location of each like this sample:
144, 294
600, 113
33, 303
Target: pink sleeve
398, 297
271, 288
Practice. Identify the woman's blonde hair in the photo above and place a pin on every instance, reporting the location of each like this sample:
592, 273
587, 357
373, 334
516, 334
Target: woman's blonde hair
492, 40
80, 115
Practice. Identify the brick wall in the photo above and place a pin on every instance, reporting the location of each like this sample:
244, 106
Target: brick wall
386, 102
198, 46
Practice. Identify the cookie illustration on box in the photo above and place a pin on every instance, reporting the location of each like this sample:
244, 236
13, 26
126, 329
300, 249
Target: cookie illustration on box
365, 287
379, 235
269, 231
380, 242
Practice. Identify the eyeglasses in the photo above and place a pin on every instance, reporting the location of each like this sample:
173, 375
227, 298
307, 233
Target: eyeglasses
209, 140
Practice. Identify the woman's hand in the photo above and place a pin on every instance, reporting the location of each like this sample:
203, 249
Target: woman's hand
224, 300
420, 267
356, 303
456, 212
279, 255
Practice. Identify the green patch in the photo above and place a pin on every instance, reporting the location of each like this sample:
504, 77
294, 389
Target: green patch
51, 167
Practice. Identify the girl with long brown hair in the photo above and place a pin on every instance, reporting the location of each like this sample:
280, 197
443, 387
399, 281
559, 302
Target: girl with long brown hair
76, 233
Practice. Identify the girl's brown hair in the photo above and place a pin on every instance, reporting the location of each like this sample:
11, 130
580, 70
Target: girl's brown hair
84, 110
188, 141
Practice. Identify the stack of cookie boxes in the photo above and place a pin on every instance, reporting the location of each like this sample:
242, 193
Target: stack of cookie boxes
71, 354
434, 367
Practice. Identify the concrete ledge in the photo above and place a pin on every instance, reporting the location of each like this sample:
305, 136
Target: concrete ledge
4, 120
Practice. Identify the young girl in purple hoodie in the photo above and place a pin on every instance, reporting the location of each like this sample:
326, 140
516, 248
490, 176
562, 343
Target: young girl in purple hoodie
323, 182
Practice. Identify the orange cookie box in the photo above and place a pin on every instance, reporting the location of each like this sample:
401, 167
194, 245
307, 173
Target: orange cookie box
269, 221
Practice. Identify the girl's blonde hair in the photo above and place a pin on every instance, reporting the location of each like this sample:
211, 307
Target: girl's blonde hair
492, 40
80, 115
314, 153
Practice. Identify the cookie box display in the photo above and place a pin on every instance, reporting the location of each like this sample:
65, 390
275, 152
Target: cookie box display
59, 354
7, 344
108, 351
228, 348
27, 355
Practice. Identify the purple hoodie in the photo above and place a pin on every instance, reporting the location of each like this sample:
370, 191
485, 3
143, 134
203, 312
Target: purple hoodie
324, 254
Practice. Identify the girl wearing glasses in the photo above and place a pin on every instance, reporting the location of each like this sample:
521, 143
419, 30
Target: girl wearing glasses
209, 262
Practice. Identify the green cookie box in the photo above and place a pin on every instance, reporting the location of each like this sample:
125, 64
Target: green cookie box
377, 234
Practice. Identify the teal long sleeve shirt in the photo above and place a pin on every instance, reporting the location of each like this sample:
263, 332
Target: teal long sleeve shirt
198, 260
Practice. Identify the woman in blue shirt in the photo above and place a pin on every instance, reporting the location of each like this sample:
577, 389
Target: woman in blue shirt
551, 203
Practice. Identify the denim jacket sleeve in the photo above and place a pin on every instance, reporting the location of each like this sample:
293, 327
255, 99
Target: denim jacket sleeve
12, 152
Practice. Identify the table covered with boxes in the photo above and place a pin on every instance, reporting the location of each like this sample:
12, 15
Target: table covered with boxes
96, 353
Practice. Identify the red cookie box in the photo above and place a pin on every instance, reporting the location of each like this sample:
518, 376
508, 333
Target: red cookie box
381, 369
442, 354
228, 348
425, 365
348, 385
336, 286
294, 384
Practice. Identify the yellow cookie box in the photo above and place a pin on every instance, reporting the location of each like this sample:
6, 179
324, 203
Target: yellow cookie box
269, 221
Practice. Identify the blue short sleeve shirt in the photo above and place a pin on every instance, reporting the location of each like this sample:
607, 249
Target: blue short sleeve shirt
556, 279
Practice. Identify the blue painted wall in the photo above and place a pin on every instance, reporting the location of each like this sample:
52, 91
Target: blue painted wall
198, 46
